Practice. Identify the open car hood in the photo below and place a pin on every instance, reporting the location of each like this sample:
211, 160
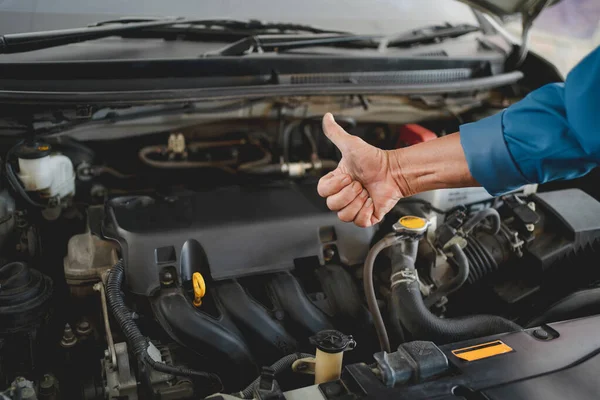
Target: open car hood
504, 8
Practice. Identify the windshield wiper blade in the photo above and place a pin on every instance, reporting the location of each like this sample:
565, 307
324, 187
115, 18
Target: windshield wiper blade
226, 30
248, 26
149, 28
24, 42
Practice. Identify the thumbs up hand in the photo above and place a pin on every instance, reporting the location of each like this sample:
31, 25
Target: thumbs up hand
367, 182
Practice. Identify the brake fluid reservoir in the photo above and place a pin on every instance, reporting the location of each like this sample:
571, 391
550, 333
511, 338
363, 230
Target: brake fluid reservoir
51, 175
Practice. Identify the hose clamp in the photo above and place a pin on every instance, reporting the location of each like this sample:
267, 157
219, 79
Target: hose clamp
406, 276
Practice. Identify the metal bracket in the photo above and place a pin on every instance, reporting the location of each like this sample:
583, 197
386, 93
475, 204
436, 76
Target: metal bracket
304, 366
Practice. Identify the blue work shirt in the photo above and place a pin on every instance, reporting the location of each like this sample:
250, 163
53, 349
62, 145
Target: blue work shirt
553, 133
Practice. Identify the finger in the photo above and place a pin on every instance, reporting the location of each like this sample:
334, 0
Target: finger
380, 210
348, 213
344, 197
336, 133
363, 218
332, 183
375, 220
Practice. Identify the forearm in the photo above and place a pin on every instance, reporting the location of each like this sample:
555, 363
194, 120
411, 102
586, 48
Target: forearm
436, 164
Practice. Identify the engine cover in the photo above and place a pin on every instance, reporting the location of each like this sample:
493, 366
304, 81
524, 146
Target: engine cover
242, 231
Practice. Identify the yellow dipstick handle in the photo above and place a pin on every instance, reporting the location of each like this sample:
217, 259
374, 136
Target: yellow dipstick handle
199, 288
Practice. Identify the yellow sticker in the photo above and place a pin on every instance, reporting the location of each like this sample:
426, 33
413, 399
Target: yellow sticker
482, 351
411, 222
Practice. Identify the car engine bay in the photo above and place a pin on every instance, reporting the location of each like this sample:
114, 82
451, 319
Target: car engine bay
182, 263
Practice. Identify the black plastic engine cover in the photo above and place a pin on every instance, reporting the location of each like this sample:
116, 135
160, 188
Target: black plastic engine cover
242, 231
572, 224
554, 362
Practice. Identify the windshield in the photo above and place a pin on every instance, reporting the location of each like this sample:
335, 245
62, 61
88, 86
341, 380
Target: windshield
358, 16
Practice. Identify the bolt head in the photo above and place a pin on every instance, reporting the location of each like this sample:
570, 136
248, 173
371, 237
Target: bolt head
328, 254
530, 227
84, 328
541, 334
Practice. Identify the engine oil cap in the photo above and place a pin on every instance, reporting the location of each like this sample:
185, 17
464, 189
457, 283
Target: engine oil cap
332, 341
411, 224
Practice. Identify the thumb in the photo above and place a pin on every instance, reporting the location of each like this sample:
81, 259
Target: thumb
336, 133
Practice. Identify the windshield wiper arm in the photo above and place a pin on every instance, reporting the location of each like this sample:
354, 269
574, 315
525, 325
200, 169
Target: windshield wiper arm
428, 34
278, 43
24, 42
267, 43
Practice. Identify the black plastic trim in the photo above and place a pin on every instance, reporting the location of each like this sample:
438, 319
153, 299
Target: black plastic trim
251, 92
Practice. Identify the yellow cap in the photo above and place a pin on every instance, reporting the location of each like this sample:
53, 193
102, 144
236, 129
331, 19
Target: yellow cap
410, 222
199, 288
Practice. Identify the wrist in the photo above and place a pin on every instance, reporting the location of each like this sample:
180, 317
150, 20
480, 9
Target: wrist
397, 165
436, 164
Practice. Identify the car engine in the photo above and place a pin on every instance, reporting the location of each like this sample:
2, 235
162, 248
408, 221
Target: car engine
185, 263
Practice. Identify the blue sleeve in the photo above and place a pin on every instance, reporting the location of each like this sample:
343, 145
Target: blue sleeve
552, 134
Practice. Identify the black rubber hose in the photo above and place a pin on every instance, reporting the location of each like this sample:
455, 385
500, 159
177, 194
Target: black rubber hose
480, 259
268, 169
369, 289
460, 259
287, 133
479, 217
280, 365
314, 151
416, 318
133, 334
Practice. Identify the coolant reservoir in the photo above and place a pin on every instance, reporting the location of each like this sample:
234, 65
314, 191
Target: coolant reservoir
51, 175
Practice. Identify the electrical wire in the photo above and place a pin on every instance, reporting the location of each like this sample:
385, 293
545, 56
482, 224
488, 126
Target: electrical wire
135, 339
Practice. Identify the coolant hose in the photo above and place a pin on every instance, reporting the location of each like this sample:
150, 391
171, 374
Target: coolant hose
455, 283
369, 288
280, 365
479, 217
416, 318
132, 333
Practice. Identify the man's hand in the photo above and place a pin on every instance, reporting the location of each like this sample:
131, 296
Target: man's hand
364, 186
